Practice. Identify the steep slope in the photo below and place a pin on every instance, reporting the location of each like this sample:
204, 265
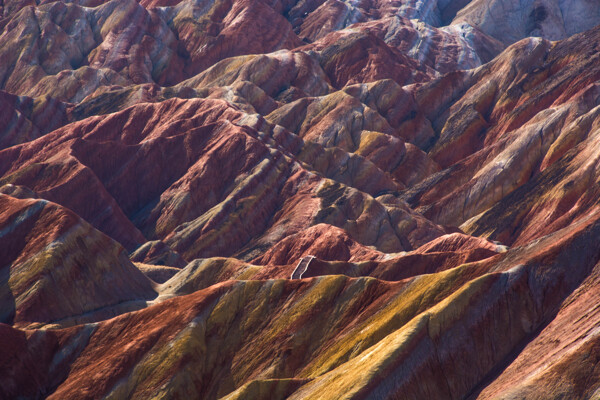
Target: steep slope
332, 334
24, 119
511, 20
299, 199
182, 203
56, 267
521, 132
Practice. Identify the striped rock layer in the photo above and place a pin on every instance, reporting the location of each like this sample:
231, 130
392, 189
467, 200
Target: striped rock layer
320, 199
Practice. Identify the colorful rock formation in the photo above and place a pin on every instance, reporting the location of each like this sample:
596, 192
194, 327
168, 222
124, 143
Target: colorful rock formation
318, 199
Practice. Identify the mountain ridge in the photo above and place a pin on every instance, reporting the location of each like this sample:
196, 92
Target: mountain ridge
166, 165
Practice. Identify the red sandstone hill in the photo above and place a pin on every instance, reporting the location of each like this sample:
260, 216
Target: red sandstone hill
322, 199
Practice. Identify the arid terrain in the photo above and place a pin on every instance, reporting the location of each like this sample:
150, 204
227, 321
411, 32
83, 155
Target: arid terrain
299, 199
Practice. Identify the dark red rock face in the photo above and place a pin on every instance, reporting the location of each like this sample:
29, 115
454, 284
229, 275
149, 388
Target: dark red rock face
284, 199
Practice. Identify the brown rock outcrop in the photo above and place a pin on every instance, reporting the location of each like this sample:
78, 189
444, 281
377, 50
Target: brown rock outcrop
56, 267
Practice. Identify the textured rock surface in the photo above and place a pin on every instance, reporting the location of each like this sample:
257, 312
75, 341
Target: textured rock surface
192, 157
56, 267
167, 165
386, 337
511, 20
